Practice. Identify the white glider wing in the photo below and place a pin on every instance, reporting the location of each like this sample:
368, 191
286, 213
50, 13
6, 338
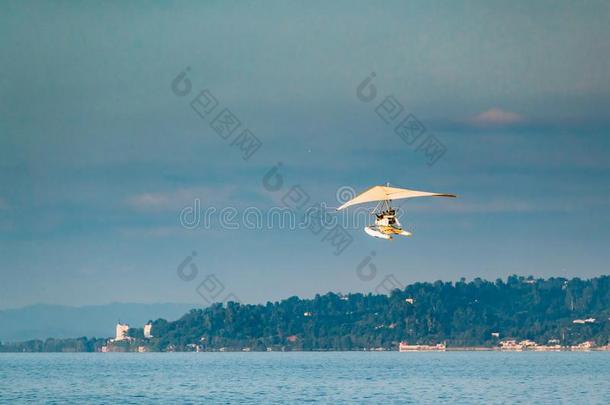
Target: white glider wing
385, 193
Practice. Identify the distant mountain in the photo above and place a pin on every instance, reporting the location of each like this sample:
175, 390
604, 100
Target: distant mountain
42, 321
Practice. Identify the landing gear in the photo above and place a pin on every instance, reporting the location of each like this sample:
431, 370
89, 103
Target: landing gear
386, 223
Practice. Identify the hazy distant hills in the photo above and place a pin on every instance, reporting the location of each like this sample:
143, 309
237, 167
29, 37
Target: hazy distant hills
41, 321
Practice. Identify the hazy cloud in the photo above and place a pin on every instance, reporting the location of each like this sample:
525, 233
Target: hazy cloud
497, 117
169, 200
175, 200
518, 205
152, 201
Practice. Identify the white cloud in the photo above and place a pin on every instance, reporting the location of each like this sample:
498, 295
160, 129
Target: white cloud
464, 205
177, 199
150, 201
153, 231
170, 200
497, 117
497, 205
461, 205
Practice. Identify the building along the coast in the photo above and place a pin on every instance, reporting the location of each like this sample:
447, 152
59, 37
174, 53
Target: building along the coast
121, 331
405, 347
148, 331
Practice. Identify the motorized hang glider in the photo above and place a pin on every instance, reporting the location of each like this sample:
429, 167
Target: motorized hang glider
386, 223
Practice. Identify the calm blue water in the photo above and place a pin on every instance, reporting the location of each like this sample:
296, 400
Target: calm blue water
389, 377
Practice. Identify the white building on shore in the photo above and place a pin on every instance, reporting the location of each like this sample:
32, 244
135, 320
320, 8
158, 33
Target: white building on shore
148, 331
121, 331
405, 347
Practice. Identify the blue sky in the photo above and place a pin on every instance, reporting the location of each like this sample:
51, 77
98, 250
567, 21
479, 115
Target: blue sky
98, 156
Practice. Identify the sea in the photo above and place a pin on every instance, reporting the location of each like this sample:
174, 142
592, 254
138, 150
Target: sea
299, 377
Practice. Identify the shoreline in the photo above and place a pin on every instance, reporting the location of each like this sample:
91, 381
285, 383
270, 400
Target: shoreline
449, 349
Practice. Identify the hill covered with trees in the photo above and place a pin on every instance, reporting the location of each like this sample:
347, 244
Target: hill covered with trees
460, 314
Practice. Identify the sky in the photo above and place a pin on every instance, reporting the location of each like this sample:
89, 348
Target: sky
100, 152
